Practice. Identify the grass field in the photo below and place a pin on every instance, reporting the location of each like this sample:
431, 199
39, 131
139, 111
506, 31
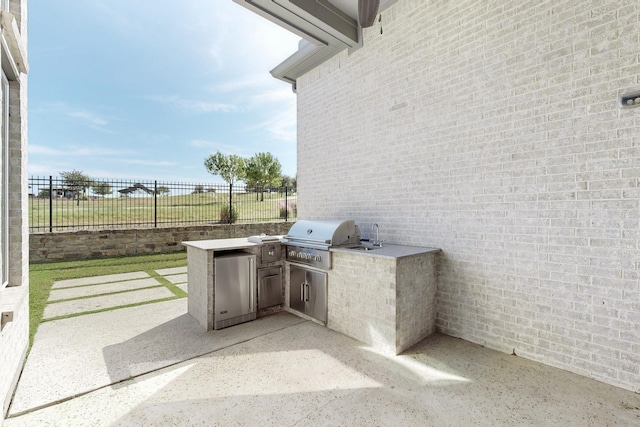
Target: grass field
43, 275
114, 212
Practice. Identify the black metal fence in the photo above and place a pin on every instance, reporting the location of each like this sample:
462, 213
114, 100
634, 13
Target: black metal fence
56, 204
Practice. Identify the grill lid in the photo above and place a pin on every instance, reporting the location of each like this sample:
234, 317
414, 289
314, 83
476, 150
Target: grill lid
324, 232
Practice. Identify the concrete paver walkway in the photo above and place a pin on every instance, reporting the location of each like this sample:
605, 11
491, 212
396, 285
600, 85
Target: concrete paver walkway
153, 365
99, 279
100, 289
66, 308
90, 294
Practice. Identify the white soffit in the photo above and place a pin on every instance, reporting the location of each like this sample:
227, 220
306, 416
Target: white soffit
326, 26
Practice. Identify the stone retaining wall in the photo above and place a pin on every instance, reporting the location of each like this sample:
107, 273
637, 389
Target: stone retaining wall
109, 243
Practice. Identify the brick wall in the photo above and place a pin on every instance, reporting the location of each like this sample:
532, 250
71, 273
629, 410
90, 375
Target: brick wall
491, 130
14, 336
108, 243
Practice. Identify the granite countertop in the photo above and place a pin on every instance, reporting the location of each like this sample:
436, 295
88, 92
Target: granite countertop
389, 251
221, 244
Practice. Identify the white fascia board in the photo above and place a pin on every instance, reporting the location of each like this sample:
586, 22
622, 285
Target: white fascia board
303, 61
16, 51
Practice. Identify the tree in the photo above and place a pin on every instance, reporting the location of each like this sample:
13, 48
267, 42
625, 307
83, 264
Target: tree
231, 168
199, 189
263, 170
101, 188
162, 190
77, 182
287, 181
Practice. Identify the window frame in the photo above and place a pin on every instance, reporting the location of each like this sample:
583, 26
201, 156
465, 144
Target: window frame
4, 185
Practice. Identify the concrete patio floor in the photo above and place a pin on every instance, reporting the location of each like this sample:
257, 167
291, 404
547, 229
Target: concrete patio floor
153, 365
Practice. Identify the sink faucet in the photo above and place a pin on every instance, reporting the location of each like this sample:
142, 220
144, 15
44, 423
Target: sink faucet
376, 242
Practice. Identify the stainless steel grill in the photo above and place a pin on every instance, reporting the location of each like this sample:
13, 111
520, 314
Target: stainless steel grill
307, 245
308, 241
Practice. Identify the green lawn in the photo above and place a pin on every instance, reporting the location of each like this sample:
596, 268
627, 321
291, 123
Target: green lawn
43, 275
106, 212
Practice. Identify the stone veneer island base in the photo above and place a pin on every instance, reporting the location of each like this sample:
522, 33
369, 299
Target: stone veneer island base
385, 297
200, 274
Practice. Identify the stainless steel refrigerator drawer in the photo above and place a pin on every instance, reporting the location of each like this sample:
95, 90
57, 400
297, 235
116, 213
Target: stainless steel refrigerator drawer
235, 290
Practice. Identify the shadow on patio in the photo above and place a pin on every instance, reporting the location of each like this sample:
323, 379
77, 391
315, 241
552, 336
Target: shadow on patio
282, 370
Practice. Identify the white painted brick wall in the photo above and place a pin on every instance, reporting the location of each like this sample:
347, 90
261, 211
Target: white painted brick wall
14, 338
491, 130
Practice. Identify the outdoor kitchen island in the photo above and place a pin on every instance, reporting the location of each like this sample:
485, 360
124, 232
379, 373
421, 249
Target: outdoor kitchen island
384, 297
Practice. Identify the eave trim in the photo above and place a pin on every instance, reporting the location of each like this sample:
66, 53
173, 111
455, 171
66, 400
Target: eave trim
16, 50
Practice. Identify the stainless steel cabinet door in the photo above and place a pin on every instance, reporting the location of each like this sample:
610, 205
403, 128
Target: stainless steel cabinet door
316, 295
308, 292
297, 280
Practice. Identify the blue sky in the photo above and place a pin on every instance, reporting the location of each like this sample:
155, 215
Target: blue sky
147, 89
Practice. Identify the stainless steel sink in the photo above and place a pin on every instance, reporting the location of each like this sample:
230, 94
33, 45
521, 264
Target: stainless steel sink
363, 247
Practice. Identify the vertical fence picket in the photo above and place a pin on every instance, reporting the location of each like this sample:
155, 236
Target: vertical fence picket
50, 204
155, 204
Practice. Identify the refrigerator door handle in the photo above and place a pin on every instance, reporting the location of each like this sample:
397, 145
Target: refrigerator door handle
252, 284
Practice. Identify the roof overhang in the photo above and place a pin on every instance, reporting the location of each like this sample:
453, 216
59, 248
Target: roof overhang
326, 27
14, 52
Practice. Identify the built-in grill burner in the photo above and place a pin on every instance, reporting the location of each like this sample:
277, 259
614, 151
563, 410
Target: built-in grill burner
308, 241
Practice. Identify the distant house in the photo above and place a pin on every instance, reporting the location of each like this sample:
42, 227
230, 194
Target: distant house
135, 188
62, 193
503, 133
14, 237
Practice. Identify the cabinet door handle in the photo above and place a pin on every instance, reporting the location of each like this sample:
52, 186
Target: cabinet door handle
302, 291
306, 298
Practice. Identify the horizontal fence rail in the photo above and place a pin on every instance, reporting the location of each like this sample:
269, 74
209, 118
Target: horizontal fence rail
56, 204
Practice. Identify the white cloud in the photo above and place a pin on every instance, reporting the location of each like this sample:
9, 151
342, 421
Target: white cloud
46, 151
282, 97
84, 151
201, 143
41, 169
196, 106
213, 146
87, 116
76, 151
246, 82
149, 162
83, 115
281, 126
